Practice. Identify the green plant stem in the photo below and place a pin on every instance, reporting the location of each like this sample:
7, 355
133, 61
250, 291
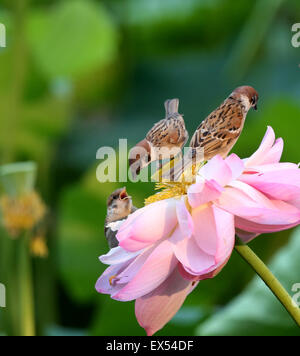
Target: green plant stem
9, 270
17, 83
8, 278
26, 297
269, 279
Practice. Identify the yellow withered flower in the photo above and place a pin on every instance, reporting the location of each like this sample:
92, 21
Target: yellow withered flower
38, 246
21, 213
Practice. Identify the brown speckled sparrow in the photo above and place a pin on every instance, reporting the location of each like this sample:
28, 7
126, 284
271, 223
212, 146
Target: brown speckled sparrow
218, 133
119, 206
168, 135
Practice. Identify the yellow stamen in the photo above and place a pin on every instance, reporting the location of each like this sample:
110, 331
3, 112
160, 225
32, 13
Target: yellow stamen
169, 190
111, 279
175, 189
38, 247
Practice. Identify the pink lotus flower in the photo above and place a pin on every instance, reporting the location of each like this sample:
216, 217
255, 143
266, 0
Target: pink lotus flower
167, 247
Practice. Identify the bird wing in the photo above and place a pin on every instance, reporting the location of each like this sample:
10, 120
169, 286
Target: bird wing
217, 134
168, 132
111, 237
111, 229
219, 131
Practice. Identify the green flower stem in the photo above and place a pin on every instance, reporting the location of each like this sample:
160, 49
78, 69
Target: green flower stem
269, 279
8, 277
18, 69
26, 302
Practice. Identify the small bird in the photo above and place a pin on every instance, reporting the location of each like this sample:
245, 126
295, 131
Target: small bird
164, 140
218, 133
119, 206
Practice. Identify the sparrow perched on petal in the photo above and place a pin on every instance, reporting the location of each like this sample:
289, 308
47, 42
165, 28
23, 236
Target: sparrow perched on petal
119, 206
164, 140
218, 133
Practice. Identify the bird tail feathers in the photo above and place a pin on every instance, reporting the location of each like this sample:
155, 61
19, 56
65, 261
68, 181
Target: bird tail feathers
185, 168
180, 170
171, 107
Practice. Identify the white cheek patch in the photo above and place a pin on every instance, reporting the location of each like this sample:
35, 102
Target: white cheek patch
115, 226
246, 102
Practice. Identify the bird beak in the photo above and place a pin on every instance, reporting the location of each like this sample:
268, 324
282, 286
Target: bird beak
123, 195
255, 107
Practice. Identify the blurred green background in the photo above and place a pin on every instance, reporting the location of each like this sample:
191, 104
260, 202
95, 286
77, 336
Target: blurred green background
80, 74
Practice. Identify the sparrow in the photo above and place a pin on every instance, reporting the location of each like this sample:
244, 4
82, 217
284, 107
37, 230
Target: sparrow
119, 206
219, 132
164, 140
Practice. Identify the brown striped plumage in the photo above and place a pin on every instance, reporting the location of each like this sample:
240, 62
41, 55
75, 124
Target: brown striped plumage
220, 130
218, 133
169, 131
168, 135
